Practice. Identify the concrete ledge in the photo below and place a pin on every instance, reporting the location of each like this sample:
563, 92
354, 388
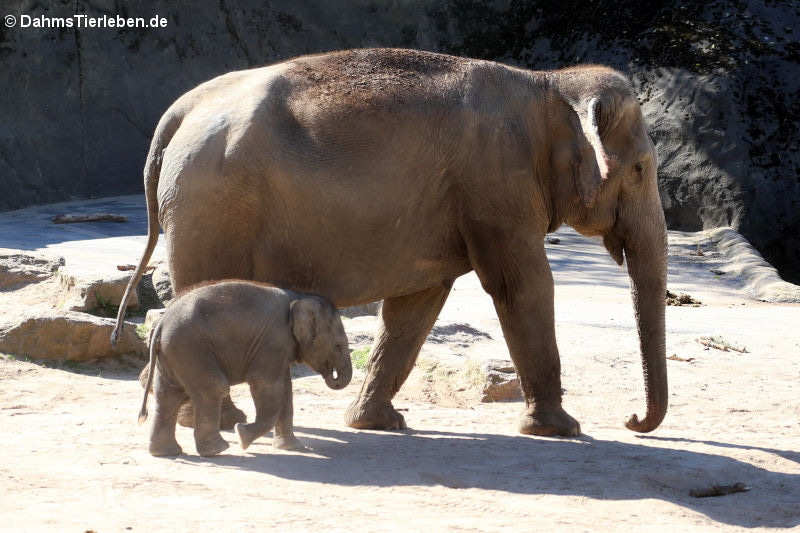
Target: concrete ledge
760, 279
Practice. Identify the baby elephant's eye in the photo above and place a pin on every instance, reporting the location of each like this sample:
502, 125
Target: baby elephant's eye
638, 167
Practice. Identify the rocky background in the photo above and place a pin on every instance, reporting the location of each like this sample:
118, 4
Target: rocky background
718, 82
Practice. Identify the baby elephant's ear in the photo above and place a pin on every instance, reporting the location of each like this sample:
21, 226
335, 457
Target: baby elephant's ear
306, 314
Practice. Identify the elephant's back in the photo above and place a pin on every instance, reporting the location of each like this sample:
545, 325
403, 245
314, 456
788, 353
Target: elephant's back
232, 297
374, 79
314, 117
227, 313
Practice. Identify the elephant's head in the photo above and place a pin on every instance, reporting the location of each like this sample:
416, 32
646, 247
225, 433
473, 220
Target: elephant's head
614, 194
321, 340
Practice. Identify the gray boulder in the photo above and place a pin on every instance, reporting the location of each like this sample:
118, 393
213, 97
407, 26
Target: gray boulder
99, 291
68, 336
18, 268
162, 284
369, 309
500, 381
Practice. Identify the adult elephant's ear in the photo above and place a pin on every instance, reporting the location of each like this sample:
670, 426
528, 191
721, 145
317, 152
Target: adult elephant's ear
591, 164
305, 314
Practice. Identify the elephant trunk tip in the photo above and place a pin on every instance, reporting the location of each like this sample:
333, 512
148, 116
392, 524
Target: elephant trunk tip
650, 422
335, 382
339, 378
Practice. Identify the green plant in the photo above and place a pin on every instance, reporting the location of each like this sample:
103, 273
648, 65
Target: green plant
360, 357
104, 307
17, 357
473, 374
143, 330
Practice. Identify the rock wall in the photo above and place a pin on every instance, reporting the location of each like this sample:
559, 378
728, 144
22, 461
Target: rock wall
717, 80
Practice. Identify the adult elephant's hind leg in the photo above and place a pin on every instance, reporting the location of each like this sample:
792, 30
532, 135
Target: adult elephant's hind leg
202, 258
405, 322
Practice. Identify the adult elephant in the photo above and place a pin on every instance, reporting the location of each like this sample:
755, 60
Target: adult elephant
385, 174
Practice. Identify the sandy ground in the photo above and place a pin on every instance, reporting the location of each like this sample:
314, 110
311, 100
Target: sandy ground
74, 459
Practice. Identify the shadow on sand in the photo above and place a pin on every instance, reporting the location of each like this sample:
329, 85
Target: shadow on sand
586, 467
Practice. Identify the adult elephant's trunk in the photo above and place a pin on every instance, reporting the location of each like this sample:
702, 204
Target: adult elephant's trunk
643, 237
646, 255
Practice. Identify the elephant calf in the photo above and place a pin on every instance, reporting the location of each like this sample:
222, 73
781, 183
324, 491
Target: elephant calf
231, 332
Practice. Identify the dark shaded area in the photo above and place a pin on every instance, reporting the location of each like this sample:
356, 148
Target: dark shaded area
525, 465
717, 81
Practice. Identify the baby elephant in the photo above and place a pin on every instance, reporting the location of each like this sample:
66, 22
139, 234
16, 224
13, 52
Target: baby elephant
231, 332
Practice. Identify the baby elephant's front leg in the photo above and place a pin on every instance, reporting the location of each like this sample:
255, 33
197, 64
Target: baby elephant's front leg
268, 398
284, 438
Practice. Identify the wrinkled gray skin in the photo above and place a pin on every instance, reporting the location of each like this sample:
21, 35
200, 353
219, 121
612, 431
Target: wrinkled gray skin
386, 174
234, 332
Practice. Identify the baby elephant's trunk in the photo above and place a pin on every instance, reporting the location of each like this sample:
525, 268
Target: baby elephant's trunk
341, 372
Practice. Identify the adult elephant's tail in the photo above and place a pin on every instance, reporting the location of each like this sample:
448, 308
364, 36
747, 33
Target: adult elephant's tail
166, 128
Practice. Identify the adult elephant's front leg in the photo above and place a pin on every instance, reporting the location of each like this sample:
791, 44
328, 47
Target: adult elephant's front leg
516, 273
528, 328
405, 322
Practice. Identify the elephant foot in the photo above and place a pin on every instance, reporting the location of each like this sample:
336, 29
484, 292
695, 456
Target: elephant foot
248, 433
230, 415
290, 443
549, 422
168, 449
374, 415
211, 446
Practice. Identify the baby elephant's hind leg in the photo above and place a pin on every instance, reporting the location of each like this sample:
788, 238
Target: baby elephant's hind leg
162, 434
231, 415
268, 398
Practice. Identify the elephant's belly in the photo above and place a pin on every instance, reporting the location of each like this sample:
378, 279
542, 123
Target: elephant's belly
361, 277
347, 267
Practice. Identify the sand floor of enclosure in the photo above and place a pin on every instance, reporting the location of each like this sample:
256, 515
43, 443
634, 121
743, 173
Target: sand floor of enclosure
74, 459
